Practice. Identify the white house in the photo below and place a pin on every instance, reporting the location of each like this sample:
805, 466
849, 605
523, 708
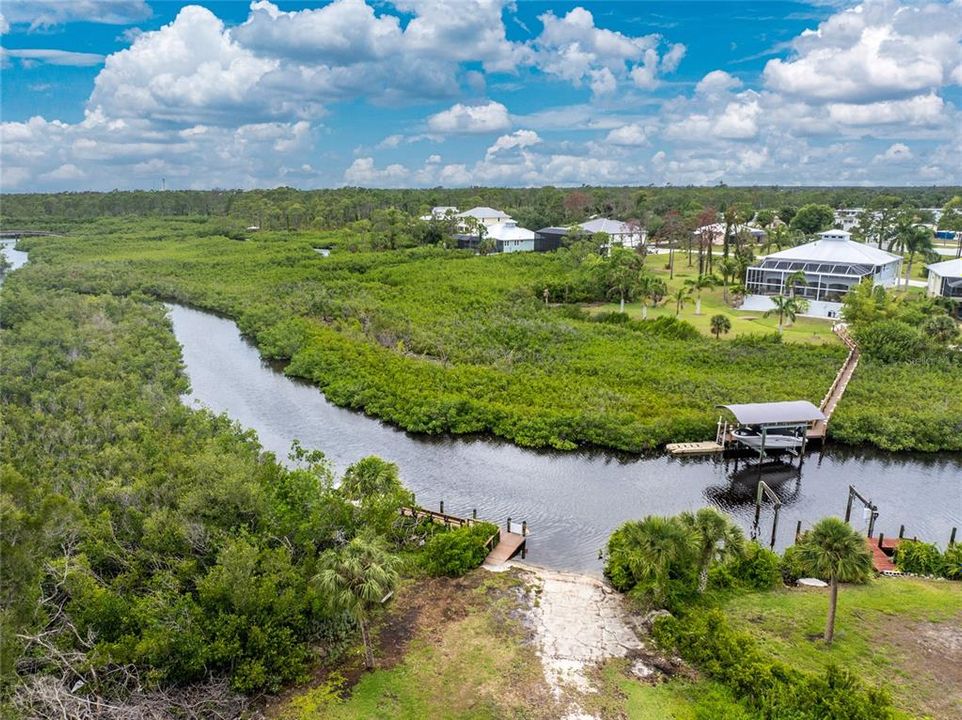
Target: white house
511, 238
440, 211
717, 232
945, 280
847, 218
832, 265
485, 215
627, 234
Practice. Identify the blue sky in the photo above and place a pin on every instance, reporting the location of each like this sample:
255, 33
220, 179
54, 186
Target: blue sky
103, 94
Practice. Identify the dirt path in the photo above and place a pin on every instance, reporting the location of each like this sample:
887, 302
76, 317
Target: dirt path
578, 622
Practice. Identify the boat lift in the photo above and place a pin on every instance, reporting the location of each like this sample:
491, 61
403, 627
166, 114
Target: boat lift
773, 420
765, 491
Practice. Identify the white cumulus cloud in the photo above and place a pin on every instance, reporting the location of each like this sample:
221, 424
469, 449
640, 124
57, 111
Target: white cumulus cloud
489, 117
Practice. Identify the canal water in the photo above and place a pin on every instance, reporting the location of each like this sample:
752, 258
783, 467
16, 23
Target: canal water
17, 258
572, 500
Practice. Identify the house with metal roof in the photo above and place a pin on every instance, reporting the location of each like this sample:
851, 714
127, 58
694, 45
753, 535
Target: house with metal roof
945, 280
832, 265
716, 231
507, 236
485, 215
626, 234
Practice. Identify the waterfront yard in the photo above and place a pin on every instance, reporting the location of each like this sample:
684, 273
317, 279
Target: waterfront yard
905, 633
465, 649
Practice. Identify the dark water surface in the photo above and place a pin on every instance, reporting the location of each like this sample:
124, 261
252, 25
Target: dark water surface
571, 501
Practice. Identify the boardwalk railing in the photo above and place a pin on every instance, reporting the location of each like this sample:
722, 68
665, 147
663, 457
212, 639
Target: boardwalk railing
837, 388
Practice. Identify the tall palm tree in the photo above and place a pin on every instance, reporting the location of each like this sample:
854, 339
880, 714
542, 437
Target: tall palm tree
697, 285
356, 579
917, 239
834, 550
622, 274
651, 289
729, 269
679, 297
794, 279
786, 307
716, 538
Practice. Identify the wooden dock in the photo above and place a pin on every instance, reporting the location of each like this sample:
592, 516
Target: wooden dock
503, 545
882, 556
509, 545
709, 447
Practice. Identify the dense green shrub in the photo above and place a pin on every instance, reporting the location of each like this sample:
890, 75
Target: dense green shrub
792, 567
891, 341
439, 341
920, 558
952, 562
655, 560
456, 552
771, 688
758, 569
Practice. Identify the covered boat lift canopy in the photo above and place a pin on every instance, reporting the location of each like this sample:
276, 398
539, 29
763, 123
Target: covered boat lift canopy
788, 413
773, 426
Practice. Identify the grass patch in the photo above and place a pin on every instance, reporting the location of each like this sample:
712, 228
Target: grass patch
898, 632
467, 660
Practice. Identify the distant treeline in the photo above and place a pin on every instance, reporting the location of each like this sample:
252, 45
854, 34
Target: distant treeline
288, 208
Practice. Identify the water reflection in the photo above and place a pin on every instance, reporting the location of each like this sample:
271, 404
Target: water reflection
572, 501
784, 479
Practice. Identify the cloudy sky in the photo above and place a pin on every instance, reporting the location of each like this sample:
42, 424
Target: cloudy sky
103, 94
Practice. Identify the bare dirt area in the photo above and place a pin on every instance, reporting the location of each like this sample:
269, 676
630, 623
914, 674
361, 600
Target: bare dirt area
933, 653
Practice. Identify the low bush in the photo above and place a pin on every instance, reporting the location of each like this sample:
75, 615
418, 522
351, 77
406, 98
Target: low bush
913, 556
757, 569
456, 552
771, 688
791, 566
952, 562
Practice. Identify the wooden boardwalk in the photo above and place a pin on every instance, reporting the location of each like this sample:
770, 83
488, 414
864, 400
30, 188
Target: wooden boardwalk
837, 388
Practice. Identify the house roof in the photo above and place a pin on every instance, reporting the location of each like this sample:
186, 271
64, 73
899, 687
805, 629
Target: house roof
509, 231
554, 230
607, 225
774, 413
829, 249
442, 209
947, 268
484, 212
719, 229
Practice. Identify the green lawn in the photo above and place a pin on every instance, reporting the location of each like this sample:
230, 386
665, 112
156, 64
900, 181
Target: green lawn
895, 631
803, 330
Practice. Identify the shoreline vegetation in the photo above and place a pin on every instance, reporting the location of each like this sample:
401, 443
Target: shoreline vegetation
439, 341
156, 558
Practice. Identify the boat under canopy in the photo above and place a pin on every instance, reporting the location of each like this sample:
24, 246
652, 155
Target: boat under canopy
788, 413
773, 426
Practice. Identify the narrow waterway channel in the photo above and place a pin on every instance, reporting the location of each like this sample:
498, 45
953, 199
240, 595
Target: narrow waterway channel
571, 501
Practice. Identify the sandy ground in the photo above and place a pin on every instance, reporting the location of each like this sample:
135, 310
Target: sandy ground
577, 623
